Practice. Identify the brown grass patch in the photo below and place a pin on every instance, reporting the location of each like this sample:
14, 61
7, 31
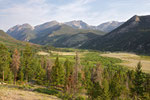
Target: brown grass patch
130, 60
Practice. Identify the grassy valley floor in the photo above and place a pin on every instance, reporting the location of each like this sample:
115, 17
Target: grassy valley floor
130, 60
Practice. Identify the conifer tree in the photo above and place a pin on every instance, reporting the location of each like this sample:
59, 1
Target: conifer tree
41, 75
57, 73
138, 81
27, 59
87, 80
77, 72
115, 86
4, 61
48, 70
15, 64
95, 91
21, 74
68, 74
106, 94
97, 74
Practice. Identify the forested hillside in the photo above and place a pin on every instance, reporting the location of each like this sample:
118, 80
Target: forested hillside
81, 76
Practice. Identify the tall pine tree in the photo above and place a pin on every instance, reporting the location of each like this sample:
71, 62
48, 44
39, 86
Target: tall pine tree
27, 61
4, 61
68, 74
57, 73
138, 81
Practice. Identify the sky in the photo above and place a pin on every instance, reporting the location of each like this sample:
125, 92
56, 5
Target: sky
93, 12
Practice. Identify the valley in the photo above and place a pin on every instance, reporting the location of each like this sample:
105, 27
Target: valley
74, 49
76, 61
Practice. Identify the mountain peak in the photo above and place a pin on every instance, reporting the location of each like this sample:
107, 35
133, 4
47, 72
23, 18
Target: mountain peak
20, 27
136, 18
46, 25
53, 22
109, 26
77, 21
79, 24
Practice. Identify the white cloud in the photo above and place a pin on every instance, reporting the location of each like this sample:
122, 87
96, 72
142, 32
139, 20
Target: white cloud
39, 11
32, 11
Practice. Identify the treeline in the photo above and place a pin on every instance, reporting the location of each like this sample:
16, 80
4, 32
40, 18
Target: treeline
73, 80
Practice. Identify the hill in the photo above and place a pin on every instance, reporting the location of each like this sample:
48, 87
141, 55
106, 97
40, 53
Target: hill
11, 42
8, 40
132, 36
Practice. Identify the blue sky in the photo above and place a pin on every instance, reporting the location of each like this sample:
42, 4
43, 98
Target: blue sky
93, 12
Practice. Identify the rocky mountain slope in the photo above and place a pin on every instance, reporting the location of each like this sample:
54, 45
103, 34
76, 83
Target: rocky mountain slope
132, 36
79, 24
27, 32
22, 32
64, 36
105, 27
109, 26
53, 33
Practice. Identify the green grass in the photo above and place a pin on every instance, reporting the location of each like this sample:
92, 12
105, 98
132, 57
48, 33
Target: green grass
63, 58
88, 59
93, 58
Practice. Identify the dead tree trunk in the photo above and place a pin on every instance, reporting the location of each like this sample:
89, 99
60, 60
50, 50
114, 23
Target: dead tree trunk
3, 76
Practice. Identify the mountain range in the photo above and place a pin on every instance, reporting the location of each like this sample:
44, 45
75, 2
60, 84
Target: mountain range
132, 36
54, 33
76, 24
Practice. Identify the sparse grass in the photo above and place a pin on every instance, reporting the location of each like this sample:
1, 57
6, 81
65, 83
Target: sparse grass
10, 92
93, 58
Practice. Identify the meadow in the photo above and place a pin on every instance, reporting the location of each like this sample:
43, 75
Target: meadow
130, 60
